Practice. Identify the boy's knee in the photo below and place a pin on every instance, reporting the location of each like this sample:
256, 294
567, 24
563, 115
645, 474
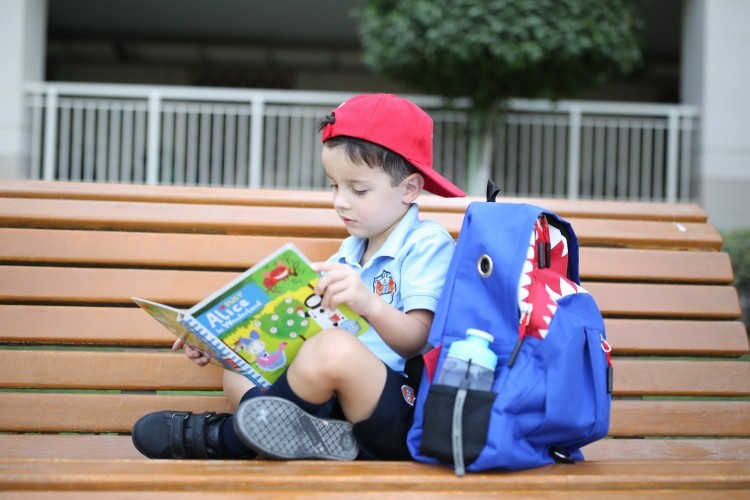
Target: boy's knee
329, 350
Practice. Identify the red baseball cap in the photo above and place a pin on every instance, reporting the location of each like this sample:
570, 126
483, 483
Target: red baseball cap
396, 124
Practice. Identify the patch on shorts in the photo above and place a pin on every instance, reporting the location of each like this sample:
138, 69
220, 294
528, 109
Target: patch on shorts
408, 394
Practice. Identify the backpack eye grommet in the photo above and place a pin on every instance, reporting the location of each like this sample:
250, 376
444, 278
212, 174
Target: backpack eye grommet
485, 266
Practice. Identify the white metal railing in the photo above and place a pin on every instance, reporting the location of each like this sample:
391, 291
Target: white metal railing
268, 138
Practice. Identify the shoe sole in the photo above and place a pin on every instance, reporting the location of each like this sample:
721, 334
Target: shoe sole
280, 429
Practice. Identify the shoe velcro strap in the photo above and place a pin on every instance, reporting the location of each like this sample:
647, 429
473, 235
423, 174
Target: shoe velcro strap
199, 437
176, 436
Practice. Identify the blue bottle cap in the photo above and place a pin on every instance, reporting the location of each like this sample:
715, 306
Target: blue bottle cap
475, 348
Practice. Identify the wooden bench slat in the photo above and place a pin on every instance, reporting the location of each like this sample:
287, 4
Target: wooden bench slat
67, 412
62, 412
62, 446
128, 326
186, 288
626, 264
81, 325
124, 326
311, 222
677, 337
641, 377
260, 477
133, 249
105, 370
127, 249
91, 446
686, 212
666, 301
169, 217
680, 418
172, 371
107, 286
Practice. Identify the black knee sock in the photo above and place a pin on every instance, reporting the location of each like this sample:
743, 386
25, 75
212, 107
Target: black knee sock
281, 389
230, 441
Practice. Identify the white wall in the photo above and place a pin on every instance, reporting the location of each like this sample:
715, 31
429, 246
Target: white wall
716, 76
22, 47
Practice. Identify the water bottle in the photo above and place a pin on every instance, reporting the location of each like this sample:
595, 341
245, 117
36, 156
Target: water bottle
473, 355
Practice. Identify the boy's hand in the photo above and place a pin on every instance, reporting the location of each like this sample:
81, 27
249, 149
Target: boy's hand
340, 284
194, 355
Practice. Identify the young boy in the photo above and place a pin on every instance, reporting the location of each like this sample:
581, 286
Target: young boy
344, 396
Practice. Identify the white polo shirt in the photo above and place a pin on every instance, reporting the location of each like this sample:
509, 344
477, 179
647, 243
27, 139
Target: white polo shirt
408, 271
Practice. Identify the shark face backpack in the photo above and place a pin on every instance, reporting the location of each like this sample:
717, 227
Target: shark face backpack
514, 274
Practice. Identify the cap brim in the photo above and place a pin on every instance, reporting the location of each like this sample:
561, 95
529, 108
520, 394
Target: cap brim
439, 185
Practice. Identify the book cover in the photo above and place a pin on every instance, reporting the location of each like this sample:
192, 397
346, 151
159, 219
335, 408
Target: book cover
261, 318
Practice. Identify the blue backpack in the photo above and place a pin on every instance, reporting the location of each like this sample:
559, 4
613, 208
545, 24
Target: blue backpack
514, 274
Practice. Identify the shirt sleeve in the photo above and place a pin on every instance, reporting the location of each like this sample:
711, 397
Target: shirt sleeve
425, 266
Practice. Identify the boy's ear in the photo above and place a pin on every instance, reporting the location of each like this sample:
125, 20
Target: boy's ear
413, 186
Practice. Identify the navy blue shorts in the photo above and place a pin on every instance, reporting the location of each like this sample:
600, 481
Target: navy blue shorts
383, 435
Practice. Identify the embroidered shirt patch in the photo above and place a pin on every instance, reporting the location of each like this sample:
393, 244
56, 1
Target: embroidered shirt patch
384, 286
408, 394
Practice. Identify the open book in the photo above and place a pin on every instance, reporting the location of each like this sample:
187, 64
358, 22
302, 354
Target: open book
255, 324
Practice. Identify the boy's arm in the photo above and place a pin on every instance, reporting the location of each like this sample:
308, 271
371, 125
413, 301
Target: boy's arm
405, 333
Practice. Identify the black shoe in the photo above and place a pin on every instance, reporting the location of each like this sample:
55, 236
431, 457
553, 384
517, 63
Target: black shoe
179, 434
278, 428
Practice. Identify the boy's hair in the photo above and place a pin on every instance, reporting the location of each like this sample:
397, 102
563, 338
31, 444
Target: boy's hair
374, 155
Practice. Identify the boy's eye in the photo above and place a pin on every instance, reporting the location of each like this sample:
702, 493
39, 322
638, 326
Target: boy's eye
333, 186
359, 192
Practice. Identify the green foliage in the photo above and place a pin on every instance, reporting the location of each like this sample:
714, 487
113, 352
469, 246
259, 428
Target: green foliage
737, 245
490, 50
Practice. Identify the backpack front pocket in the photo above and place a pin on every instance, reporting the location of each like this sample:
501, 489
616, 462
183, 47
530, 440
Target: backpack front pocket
438, 431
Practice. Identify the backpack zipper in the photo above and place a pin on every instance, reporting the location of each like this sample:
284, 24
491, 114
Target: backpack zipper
608, 355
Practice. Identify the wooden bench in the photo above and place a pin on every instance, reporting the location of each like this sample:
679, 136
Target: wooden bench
79, 363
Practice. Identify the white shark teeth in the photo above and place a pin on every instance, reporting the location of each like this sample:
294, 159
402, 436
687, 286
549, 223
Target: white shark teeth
556, 238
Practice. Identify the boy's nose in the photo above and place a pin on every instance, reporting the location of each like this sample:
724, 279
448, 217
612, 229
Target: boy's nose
340, 200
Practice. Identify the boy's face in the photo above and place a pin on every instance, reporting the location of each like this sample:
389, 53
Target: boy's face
369, 206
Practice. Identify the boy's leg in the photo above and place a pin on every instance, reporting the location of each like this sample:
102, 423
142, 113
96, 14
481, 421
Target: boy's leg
172, 434
236, 387
336, 363
333, 363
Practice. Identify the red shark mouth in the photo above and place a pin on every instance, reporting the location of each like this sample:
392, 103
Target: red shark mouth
539, 289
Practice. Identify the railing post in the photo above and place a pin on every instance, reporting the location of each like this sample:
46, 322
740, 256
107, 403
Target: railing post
673, 126
50, 135
574, 153
152, 142
256, 141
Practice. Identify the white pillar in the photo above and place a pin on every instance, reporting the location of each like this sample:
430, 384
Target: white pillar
23, 28
715, 76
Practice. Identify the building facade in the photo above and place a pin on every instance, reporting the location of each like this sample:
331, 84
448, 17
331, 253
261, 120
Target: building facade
296, 44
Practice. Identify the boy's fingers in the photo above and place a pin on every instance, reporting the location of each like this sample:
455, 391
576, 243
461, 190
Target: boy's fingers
321, 267
192, 352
